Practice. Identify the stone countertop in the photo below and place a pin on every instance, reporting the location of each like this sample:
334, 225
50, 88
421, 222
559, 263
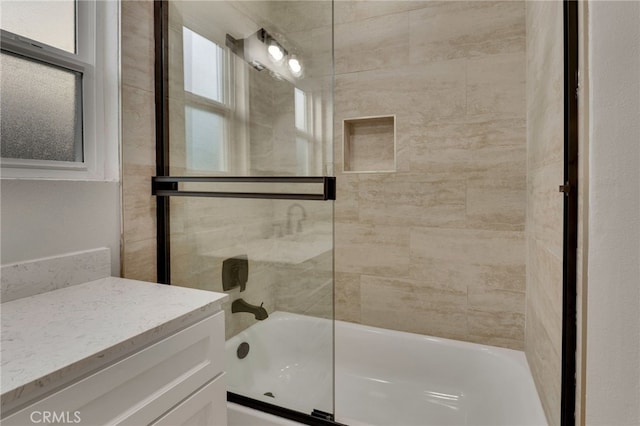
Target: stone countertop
52, 338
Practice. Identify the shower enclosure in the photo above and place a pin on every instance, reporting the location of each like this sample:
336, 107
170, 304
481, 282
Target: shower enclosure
401, 175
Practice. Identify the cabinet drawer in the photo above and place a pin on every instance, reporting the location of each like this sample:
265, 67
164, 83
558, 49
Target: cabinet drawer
206, 407
139, 388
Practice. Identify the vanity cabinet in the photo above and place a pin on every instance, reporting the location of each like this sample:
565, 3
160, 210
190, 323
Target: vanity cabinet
178, 380
208, 406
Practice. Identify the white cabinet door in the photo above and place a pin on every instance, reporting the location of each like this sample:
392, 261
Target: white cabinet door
206, 407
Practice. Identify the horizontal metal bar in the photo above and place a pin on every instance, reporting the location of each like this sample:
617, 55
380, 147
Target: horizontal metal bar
264, 195
167, 186
241, 179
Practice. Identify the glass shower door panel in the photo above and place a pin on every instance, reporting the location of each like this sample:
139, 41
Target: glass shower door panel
237, 110
274, 258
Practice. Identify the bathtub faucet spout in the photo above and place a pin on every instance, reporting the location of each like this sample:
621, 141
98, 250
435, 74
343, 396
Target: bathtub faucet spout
240, 305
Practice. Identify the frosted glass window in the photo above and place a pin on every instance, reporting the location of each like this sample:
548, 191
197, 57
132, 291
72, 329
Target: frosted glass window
205, 140
203, 66
300, 109
49, 22
40, 110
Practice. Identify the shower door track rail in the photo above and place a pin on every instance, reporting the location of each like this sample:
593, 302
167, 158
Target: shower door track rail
283, 412
165, 186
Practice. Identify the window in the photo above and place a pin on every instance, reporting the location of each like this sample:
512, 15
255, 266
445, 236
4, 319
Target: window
58, 87
208, 110
41, 110
304, 133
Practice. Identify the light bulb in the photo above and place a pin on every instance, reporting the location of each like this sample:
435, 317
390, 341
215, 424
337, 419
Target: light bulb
275, 52
295, 66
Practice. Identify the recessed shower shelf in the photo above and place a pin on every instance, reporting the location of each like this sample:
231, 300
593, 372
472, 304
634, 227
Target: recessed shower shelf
369, 144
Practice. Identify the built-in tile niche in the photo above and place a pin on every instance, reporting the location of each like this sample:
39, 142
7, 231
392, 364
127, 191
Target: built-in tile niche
369, 144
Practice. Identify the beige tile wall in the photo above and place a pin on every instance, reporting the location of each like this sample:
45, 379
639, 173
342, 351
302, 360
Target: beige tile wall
138, 141
460, 174
543, 334
437, 247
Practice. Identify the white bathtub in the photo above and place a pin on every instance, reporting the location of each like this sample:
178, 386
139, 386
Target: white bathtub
382, 377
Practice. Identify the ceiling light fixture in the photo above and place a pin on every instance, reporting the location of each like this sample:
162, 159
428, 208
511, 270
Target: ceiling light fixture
295, 66
262, 51
275, 51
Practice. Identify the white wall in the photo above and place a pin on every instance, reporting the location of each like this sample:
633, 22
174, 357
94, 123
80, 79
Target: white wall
41, 218
613, 311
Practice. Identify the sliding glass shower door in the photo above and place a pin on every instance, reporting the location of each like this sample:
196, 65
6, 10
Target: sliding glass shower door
247, 194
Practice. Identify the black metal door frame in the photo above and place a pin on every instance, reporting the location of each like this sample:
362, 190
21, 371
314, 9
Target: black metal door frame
570, 233
161, 64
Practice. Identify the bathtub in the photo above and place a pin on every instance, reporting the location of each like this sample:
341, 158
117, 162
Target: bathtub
382, 377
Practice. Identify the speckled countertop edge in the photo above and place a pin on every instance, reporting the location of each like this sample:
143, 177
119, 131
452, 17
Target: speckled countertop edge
52, 338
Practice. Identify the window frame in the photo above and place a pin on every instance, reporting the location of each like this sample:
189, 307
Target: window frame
225, 108
96, 58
